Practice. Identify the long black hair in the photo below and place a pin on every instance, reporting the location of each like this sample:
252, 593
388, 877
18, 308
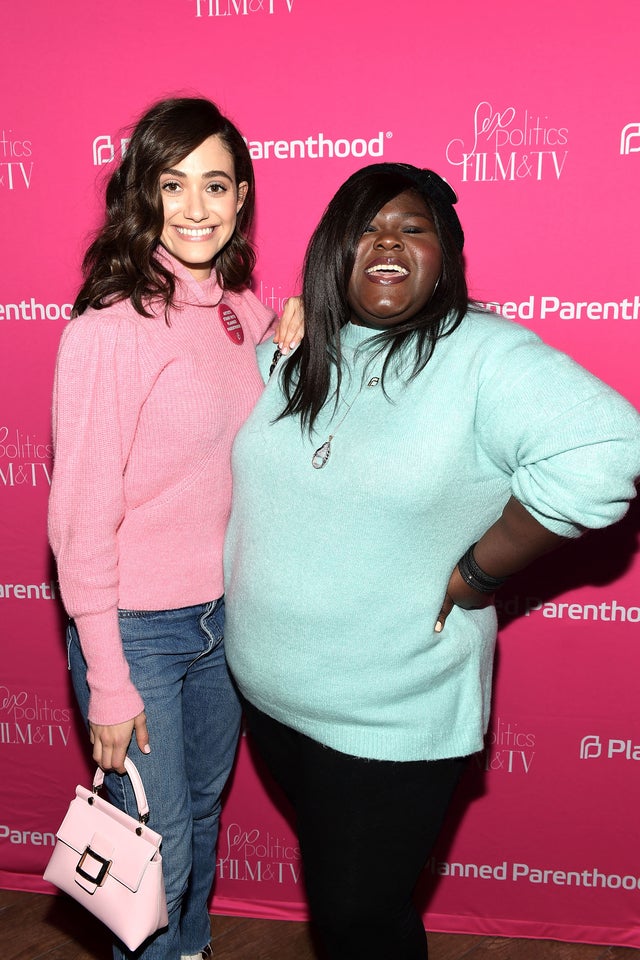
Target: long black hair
328, 265
121, 263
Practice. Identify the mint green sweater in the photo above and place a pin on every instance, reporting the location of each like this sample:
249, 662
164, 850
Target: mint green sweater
335, 577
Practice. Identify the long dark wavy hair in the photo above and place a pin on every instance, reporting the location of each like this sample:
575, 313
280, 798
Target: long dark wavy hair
328, 265
121, 262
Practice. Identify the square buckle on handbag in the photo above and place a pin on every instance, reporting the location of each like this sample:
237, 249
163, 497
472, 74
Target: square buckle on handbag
102, 872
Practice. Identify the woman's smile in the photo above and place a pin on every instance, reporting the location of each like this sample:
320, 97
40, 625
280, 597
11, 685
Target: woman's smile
386, 270
195, 233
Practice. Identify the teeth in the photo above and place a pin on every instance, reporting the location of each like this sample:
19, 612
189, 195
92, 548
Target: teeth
194, 232
387, 268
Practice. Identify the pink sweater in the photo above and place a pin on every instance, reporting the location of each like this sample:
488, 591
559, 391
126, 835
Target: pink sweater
144, 416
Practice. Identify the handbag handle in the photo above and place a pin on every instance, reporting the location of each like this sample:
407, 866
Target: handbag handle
136, 783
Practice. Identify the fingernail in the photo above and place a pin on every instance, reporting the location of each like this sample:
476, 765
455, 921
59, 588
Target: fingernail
438, 626
293, 344
146, 748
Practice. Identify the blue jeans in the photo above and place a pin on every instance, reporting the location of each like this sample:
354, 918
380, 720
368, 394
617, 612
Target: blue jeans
177, 663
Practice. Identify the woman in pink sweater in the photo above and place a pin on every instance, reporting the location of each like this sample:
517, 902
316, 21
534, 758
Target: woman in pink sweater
155, 375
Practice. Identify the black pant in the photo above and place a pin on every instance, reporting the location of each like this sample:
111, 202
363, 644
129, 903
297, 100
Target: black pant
366, 828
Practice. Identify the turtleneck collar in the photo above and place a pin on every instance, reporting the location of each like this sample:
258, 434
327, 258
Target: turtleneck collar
207, 293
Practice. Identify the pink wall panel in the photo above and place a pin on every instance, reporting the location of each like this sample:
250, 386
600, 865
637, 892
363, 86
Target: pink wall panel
531, 112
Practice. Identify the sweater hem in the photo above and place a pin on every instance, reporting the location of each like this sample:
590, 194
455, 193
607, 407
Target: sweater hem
405, 747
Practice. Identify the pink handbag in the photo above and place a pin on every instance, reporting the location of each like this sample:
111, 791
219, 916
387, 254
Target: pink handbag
111, 863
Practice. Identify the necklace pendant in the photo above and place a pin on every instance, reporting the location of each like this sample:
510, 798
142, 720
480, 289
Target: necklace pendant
321, 455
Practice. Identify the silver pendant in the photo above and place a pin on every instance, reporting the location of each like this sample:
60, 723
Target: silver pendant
321, 455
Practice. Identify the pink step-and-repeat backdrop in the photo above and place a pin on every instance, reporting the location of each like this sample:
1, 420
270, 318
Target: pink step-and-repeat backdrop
532, 111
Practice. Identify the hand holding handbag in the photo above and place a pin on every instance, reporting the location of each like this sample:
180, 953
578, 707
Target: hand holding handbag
111, 863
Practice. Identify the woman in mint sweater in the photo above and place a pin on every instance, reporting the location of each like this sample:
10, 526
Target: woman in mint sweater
431, 451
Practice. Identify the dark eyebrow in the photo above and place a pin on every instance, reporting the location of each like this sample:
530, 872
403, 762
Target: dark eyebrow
209, 175
412, 215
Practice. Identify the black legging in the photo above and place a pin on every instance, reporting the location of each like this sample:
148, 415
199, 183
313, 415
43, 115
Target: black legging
366, 829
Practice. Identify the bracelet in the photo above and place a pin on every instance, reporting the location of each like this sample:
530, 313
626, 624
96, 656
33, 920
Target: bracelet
475, 577
274, 360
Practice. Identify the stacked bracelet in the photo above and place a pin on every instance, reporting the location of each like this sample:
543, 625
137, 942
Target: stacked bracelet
475, 576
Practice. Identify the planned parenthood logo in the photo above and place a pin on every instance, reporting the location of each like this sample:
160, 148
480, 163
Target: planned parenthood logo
630, 139
314, 146
593, 748
105, 150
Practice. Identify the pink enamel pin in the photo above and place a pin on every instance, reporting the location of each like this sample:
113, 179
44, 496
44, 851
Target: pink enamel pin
231, 324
